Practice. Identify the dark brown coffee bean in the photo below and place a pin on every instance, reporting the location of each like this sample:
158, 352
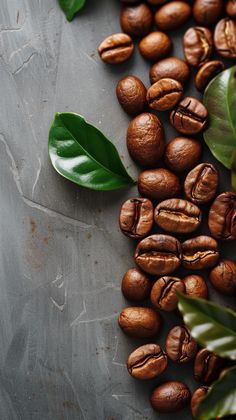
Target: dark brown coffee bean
158, 184
170, 397
131, 94
163, 294
200, 252
190, 116
145, 139
177, 216
207, 72
180, 345
136, 20
222, 217
198, 44
207, 366
136, 285
136, 217
201, 183
139, 322
116, 49
225, 38
197, 397
147, 362
231, 8
195, 286
171, 67
182, 154
164, 94
158, 254
155, 46
223, 277
207, 12
172, 15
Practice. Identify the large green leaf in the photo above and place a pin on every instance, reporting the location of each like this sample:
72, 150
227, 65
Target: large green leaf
220, 401
82, 154
71, 7
220, 100
212, 326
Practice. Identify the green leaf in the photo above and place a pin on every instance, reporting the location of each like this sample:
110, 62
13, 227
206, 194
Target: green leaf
71, 7
212, 326
220, 100
220, 400
82, 154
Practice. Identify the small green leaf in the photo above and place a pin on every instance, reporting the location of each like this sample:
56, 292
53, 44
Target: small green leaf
220, 401
71, 7
82, 154
212, 326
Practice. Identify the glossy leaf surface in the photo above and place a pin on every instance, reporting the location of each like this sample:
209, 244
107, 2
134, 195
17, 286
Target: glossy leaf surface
71, 7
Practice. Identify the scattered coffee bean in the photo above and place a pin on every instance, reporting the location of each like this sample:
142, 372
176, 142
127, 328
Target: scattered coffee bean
182, 154
136, 285
136, 20
197, 44
207, 72
200, 252
155, 46
207, 12
231, 8
207, 366
164, 94
147, 362
222, 217
195, 286
116, 48
189, 117
158, 184
171, 67
225, 38
136, 217
163, 294
131, 94
223, 277
158, 254
201, 183
180, 345
172, 15
197, 397
139, 322
170, 397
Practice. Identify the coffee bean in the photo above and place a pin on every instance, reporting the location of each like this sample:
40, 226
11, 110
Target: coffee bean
163, 294
223, 277
200, 252
136, 20
170, 397
164, 94
231, 8
180, 345
158, 184
207, 72
201, 183
182, 154
197, 44
207, 12
197, 397
145, 139
225, 38
136, 217
171, 67
222, 217
207, 366
172, 15
131, 94
147, 362
116, 48
136, 285
177, 216
189, 117
155, 46
158, 254
195, 286
139, 322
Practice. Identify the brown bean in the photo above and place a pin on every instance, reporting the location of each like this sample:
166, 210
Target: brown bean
172, 15
138, 321
164, 94
158, 184
136, 20
171, 67
155, 46
207, 72
116, 49
131, 94
147, 362
182, 154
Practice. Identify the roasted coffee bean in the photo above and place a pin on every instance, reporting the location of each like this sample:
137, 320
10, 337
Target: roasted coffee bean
231, 8
136, 217
195, 286
197, 397
164, 94
207, 366
136, 20
190, 116
207, 12
155, 46
158, 184
172, 15
223, 277
147, 362
170, 397
171, 67
222, 217
136, 285
177, 216
207, 72
131, 94
180, 345
145, 139
225, 38
200, 252
197, 44
158, 254
163, 294
182, 154
116, 49
139, 322
201, 183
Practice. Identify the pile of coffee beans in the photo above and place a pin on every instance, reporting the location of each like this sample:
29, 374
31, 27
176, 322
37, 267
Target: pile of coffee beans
175, 198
